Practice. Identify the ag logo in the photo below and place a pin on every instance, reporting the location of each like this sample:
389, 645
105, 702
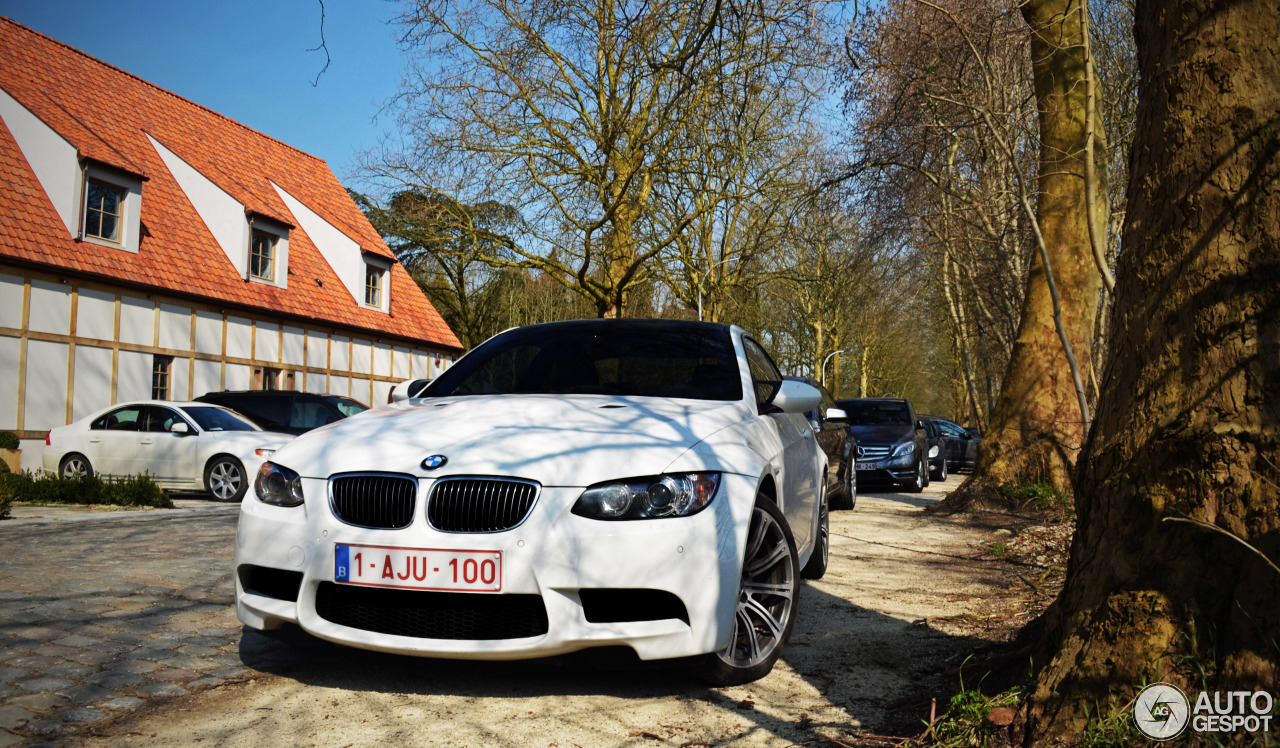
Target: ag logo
1161, 711
434, 461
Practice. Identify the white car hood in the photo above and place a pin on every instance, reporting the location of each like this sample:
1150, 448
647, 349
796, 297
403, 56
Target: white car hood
557, 440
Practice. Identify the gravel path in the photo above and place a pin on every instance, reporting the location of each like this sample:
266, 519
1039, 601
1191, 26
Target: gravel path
890, 613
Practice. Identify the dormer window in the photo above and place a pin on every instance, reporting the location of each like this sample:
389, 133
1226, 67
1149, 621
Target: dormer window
373, 279
268, 252
103, 210
111, 207
262, 257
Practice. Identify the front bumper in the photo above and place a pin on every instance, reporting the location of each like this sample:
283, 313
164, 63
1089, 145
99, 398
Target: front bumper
553, 555
888, 470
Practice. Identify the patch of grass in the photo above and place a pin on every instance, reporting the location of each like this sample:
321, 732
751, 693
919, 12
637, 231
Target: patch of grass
1002, 551
1042, 496
136, 490
1114, 729
965, 722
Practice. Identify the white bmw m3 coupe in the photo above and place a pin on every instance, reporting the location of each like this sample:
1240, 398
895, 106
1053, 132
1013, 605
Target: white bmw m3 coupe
642, 483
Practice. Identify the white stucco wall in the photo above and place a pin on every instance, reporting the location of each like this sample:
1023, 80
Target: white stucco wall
178, 379
46, 395
137, 322
382, 359
10, 301
238, 377
175, 327
133, 377
9, 353
222, 214
339, 250
361, 351
51, 158
93, 381
96, 315
293, 343
208, 333
239, 338
50, 307
267, 343
208, 376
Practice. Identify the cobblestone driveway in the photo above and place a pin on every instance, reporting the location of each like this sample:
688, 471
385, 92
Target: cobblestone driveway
103, 613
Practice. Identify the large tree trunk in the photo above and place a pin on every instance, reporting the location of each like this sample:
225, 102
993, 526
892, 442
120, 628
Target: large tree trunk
1189, 420
1037, 427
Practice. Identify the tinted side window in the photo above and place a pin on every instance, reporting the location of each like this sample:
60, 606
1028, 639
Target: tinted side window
950, 429
121, 419
310, 414
764, 374
273, 408
160, 419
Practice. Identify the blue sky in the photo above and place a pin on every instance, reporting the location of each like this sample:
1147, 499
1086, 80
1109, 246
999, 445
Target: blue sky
247, 59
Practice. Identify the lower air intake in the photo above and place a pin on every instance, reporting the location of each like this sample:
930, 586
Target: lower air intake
432, 615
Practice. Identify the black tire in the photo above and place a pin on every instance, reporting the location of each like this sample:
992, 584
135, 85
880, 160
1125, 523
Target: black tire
225, 479
763, 615
924, 471
817, 566
941, 473
917, 485
75, 465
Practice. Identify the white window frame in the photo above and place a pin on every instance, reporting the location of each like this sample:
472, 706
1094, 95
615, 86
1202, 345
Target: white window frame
383, 267
280, 261
130, 207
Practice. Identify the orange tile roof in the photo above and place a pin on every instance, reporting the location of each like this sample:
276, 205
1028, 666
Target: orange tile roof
107, 114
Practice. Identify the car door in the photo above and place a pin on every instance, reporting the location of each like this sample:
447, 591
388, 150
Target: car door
831, 437
167, 456
112, 445
799, 489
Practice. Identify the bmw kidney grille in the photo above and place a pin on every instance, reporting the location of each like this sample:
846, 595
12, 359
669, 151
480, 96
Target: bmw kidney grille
379, 500
480, 504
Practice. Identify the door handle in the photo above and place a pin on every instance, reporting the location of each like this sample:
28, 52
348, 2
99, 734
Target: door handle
148, 441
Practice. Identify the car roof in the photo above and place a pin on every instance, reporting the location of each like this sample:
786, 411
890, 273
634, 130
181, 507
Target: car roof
673, 324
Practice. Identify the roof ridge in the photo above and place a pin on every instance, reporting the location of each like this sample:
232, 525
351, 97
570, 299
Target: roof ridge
166, 91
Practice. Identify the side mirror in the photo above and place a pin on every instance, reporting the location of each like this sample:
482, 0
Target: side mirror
180, 428
837, 414
795, 397
920, 424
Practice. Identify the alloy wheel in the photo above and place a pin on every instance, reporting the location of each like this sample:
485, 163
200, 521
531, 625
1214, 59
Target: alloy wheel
74, 467
766, 594
224, 480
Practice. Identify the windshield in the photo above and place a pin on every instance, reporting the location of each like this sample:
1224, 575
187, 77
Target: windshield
346, 405
629, 358
875, 413
217, 419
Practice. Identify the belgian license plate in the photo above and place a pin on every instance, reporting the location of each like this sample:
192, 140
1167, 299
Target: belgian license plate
866, 466
418, 568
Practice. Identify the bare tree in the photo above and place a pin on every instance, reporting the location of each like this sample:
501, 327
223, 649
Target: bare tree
575, 113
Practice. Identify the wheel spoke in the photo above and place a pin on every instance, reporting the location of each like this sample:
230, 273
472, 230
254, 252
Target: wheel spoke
748, 636
766, 617
759, 565
781, 589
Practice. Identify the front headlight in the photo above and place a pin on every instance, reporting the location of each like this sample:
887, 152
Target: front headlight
278, 485
649, 498
933, 451
904, 449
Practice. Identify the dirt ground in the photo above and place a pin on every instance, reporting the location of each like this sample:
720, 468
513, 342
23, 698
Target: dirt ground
907, 597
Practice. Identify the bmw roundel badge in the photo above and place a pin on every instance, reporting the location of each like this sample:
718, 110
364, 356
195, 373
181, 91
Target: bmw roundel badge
434, 461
